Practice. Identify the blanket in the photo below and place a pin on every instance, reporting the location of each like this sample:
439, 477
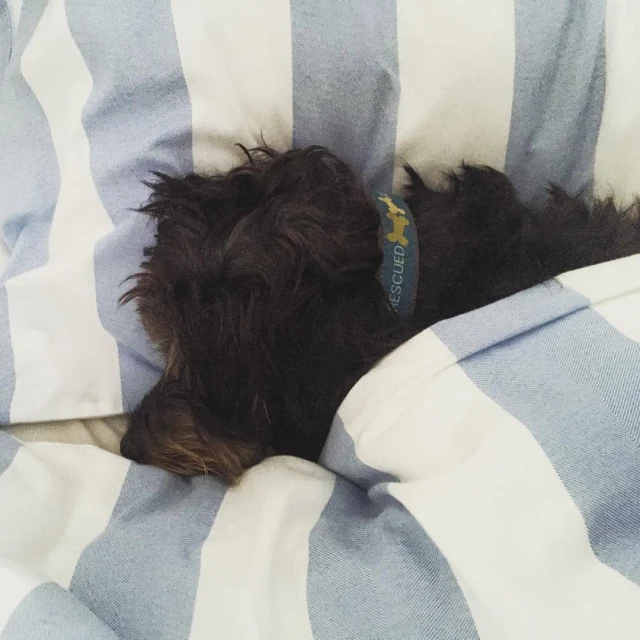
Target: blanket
482, 481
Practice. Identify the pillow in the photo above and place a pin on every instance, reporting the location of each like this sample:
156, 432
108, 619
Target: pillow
96, 95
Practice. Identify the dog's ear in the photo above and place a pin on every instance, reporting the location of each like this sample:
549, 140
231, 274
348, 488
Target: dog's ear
190, 214
165, 430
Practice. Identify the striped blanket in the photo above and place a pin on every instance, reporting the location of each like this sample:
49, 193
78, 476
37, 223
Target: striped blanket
95, 95
482, 482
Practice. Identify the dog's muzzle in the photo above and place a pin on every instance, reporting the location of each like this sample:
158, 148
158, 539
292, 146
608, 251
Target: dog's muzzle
399, 271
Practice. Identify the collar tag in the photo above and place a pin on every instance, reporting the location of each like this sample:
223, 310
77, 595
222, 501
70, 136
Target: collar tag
399, 271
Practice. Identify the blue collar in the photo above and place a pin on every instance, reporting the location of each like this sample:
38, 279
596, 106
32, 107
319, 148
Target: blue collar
399, 271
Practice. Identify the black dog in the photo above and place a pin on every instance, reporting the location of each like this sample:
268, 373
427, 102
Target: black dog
263, 293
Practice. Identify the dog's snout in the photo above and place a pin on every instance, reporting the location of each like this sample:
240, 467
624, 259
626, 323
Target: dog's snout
131, 447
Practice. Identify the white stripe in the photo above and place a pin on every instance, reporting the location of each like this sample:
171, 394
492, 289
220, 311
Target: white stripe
57, 499
253, 579
456, 70
617, 163
614, 289
15, 9
237, 64
16, 583
59, 344
483, 489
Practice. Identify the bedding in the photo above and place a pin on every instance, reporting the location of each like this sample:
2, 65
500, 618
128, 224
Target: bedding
96, 95
104, 433
481, 482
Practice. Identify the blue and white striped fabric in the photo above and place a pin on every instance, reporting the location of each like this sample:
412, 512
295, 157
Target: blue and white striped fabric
96, 95
482, 482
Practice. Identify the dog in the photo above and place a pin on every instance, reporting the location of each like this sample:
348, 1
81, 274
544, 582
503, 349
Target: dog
263, 292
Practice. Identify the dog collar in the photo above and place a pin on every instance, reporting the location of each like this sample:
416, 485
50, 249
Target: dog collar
399, 270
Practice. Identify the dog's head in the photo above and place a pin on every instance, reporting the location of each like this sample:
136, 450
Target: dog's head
262, 295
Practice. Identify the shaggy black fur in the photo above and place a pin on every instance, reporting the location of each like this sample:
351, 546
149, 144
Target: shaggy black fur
263, 295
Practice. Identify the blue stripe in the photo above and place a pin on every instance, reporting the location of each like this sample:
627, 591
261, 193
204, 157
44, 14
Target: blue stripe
30, 182
574, 382
8, 448
339, 456
51, 612
346, 85
141, 575
5, 39
137, 120
373, 570
558, 95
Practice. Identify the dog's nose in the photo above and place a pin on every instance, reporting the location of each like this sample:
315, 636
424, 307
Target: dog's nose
131, 447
